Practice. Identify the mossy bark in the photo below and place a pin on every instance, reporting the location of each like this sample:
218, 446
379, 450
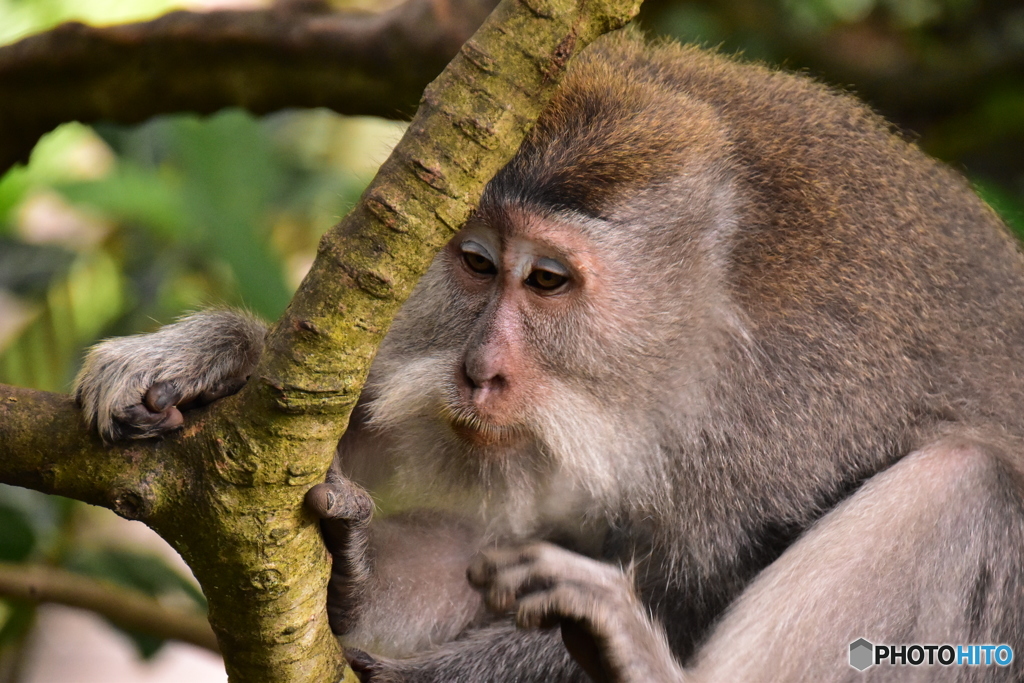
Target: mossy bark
227, 491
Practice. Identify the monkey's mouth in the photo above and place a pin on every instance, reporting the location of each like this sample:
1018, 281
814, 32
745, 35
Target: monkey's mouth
482, 433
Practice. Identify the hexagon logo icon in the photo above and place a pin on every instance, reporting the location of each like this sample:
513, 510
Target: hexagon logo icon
861, 654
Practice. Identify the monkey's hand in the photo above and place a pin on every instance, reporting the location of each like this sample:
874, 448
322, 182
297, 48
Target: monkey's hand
604, 625
135, 387
344, 510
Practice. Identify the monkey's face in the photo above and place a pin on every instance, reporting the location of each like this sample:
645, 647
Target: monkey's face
504, 374
528, 287
540, 362
577, 318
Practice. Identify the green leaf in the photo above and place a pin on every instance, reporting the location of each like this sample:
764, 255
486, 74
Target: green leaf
16, 618
29, 269
136, 195
29, 521
231, 173
13, 186
143, 571
1009, 206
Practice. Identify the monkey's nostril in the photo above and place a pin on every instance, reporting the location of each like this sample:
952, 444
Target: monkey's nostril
466, 378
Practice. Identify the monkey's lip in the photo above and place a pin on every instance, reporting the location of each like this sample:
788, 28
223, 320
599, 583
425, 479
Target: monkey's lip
484, 434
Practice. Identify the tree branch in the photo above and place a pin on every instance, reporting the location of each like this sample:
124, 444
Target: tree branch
45, 446
227, 491
129, 608
293, 55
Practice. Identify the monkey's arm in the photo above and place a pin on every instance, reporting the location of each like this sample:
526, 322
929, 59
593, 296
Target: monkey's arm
133, 387
926, 552
398, 585
398, 591
604, 625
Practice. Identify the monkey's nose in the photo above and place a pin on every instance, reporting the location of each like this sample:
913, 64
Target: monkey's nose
483, 387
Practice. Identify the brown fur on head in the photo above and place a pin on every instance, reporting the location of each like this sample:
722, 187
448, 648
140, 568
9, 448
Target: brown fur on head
607, 134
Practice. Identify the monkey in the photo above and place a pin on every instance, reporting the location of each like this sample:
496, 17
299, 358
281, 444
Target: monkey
722, 374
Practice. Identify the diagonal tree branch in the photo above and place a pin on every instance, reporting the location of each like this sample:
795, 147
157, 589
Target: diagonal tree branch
227, 491
129, 608
292, 55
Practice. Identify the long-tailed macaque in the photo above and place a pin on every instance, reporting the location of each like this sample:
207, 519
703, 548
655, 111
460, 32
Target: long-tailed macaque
722, 375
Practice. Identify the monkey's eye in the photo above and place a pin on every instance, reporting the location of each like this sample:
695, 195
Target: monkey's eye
548, 275
477, 259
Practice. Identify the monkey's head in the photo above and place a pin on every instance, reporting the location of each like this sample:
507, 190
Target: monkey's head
579, 306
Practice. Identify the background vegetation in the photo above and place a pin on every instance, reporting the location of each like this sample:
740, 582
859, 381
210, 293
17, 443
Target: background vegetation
113, 230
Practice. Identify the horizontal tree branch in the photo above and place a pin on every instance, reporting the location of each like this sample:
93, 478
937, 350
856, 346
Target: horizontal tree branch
124, 606
45, 446
292, 55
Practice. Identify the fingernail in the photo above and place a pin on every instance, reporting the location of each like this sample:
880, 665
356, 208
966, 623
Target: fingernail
330, 500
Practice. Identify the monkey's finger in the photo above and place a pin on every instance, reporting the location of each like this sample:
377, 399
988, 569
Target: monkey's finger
340, 499
361, 662
573, 608
480, 571
512, 583
545, 560
161, 396
586, 648
225, 387
371, 667
546, 608
139, 422
488, 563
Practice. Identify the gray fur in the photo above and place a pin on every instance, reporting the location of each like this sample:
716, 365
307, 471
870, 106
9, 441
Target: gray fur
196, 354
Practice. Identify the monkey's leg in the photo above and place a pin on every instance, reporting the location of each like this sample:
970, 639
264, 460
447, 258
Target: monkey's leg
133, 387
930, 551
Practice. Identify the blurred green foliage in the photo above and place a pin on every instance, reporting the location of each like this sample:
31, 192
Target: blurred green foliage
111, 230
21, 17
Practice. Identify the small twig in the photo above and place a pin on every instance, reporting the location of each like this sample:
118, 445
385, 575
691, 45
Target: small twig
129, 608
